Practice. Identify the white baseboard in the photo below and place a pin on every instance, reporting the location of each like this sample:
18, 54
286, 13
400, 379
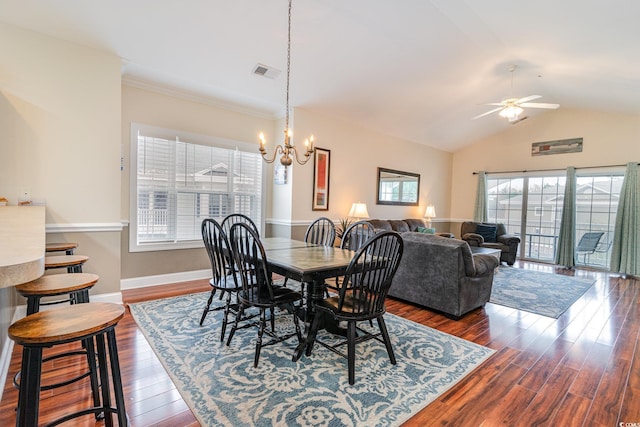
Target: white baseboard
163, 279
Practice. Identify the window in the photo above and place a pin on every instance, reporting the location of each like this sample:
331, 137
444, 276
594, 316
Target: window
531, 207
178, 179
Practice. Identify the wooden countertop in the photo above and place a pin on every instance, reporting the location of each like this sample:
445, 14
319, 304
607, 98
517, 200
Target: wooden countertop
22, 240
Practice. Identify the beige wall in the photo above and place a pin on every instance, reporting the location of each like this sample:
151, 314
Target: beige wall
60, 141
59, 133
156, 109
356, 153
609, 139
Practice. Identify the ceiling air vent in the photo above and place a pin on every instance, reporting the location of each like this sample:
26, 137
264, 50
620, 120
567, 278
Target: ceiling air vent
266, 71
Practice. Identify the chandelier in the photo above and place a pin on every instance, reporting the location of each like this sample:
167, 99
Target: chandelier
288, 151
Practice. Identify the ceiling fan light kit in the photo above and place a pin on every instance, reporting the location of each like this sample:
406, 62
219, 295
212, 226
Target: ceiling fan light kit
511, 112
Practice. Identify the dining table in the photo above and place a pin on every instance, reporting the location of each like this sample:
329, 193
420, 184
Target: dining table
310, 264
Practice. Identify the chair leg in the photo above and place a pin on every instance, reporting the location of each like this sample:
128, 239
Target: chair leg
263, 325
272, 312
206, 308
225, 316
235, 324
387, 341
351, 351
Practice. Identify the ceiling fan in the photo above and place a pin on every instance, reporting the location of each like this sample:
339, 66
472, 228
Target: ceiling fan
511, 108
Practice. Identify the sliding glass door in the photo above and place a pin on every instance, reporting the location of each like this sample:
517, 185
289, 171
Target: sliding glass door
530, 206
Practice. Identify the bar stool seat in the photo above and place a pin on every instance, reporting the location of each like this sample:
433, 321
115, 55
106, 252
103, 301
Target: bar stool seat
66, 247
89, 323
73, 263
76, 285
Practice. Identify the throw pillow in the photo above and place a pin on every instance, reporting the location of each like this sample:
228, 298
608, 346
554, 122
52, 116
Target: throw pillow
426, 230
488, 232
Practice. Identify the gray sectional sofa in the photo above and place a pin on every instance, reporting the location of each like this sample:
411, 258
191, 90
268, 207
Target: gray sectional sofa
440, 273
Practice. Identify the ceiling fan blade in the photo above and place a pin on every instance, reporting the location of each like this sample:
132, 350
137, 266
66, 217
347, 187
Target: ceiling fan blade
539, 105
496, 103
527, 99
487, 113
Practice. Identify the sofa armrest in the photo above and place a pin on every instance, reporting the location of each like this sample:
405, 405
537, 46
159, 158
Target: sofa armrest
485, 264
508, 239
473, 239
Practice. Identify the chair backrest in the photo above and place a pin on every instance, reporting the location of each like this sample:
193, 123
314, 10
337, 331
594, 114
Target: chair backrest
322, 231
589, 242
217, 245
250, 262
235, 218
356, 235
369, 274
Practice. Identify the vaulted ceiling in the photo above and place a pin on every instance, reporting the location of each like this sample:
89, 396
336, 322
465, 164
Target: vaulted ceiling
414, 69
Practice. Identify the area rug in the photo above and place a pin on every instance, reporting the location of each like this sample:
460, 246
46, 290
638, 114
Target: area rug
222, 387
537, 292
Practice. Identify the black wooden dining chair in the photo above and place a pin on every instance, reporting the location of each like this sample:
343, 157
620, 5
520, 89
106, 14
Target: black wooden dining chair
322, 231
235, 218
353, 238
227, 223
356, 235
251, 265
218, 249
362, 294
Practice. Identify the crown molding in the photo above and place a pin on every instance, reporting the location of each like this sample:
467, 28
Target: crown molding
187, 95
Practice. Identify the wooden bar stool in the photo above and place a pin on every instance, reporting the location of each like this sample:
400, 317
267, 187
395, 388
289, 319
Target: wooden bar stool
89, 323
76, 285
66, 247
73, 263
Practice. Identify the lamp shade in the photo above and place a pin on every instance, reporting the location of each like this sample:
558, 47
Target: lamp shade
359, 210
430, 212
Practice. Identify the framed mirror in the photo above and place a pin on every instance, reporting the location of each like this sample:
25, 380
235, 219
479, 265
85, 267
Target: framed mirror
398, 187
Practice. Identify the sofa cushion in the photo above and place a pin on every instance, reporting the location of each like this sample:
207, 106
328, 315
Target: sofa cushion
381, 224
414, 223
488, 232
399, 225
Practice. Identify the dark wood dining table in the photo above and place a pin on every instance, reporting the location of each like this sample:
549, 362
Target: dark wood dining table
308, 263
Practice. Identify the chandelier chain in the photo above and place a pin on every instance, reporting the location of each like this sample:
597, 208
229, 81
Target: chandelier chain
286, 126
288, 151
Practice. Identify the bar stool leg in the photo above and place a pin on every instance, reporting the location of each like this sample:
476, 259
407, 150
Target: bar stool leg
27, 415
93, 373
33, 305
117, 379
104, 380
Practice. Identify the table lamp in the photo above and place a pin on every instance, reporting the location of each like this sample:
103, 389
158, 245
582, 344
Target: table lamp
429, 214
359, 211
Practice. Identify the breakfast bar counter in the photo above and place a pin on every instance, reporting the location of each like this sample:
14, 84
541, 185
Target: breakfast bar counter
22, 244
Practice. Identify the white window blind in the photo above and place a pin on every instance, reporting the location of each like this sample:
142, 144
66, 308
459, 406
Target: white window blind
181, 180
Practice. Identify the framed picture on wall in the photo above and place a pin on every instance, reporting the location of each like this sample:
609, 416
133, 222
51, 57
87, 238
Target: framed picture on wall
321, 179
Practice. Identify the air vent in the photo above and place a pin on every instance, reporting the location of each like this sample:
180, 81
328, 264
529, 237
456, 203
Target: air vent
266, 71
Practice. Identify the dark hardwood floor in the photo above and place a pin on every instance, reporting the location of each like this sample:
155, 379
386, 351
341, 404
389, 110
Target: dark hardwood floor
582, 369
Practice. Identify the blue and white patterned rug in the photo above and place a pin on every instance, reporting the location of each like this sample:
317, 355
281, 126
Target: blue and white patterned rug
222, 387
537, 292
